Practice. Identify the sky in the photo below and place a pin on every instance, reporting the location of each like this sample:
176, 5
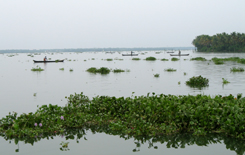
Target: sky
52, 24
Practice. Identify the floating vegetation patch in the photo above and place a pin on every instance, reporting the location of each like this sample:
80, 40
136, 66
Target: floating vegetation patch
118, 70
224, 81
71, 70
174, 59
135, 58
199, 59
109, 59
38, 69
102, 70
61, 69
220, 60
197, 81
157, 52
185, 73
30, 55
238, 69
170, 70
150, 59
156, 75
164, 59
149, 115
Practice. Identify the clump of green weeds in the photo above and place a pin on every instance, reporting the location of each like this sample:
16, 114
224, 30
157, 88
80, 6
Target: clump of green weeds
199, 59
197, 81
156, 75
164, 59
109, 59
135, 58
61, 69
174, 59
118, 70
150, 59
37, 69
238, 69
170, 70
102, 70
224, 81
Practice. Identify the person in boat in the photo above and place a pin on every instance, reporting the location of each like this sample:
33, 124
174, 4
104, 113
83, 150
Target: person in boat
45, 58
179, 52
131, 52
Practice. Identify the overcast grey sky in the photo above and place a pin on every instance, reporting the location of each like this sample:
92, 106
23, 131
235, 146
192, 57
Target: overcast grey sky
37, 24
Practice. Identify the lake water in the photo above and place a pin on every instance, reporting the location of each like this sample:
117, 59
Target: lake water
21, 90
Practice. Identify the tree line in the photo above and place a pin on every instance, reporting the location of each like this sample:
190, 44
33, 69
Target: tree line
222, 42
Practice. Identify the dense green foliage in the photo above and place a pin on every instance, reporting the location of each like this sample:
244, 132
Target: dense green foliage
138, 116
197, 81
224, 42
198, 59
170, 70
150, 59
38, 69
102, 70
174, 59
238, 69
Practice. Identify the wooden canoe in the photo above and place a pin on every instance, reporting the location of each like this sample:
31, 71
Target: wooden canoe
179, 54
36, 61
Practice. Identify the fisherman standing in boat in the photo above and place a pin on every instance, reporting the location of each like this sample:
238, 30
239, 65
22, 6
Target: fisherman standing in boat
45, 58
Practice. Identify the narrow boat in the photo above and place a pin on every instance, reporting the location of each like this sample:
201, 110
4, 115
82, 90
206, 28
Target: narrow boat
129, 54
179, 54
41, 61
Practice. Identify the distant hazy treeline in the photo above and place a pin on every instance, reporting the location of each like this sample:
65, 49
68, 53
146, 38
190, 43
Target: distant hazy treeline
92, 49
223, 42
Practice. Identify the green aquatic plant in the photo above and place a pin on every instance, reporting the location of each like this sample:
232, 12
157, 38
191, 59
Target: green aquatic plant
224, 81
197, 81
199, 59
62, 69
109, 59
71, 70
135, 58
38, 69
238, 69
118, 70
174, 59
148, 115
102, 70
185, 73
170, 70
156, 75
164, 59
150, 59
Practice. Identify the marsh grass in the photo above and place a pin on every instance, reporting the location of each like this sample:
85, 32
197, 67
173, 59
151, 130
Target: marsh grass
38, 69
150, 59
238, 69
174, 59
170, 70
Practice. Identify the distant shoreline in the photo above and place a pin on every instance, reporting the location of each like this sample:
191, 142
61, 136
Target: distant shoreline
93, 49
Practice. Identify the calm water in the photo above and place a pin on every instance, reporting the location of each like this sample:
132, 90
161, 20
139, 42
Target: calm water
18, 84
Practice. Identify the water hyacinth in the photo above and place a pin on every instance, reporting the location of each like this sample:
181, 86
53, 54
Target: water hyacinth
40, 124
62, 117
35, 124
